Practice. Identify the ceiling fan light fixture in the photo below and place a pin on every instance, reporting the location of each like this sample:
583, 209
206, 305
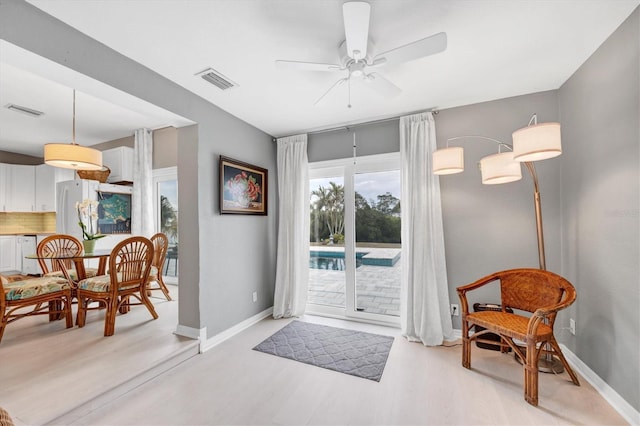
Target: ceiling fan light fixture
356, 69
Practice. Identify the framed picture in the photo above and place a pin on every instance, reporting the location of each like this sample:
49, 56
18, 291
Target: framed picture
243, 188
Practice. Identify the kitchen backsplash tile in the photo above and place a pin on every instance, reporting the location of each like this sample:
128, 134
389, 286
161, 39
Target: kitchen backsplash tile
27, 223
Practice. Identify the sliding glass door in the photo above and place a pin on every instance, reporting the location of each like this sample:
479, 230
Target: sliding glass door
165, 190
355, 238
327, 274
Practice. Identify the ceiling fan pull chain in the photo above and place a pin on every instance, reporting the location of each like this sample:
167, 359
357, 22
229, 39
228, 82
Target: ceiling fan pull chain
354, 147
349, 104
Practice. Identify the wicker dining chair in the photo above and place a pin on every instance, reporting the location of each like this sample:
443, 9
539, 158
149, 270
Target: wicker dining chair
129, 266
60, 244
34, 296
160, 246
537, 291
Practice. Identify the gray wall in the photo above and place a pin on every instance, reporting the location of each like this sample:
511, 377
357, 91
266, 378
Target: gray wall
165, 147
489, 228
378, 138
600, 113
13, 158
218, 295
486, 227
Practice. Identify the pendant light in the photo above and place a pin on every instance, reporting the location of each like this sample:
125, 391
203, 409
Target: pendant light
71, 155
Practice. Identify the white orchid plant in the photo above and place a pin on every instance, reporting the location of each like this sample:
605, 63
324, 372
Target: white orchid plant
88, 219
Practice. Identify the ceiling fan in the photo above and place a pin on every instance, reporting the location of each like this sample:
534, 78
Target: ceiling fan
357, 60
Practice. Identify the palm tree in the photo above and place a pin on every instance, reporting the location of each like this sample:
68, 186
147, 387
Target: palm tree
168, 218
328, 205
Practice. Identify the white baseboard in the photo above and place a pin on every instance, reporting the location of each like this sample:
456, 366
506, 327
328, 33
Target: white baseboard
191, 332
457, 333
207, 344
625, 409
618, 403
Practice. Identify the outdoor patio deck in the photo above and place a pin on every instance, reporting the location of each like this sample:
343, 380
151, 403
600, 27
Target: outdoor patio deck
377, 286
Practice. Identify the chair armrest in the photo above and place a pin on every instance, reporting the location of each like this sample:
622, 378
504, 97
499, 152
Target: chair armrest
462, 290
548, 310
541, 314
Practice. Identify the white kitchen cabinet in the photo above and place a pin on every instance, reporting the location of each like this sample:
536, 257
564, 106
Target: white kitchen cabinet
7, 253
120, 161
46, 179
19, 188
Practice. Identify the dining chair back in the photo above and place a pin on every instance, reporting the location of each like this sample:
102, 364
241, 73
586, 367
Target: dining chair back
57, 244
129, 267
61, 244
160, 246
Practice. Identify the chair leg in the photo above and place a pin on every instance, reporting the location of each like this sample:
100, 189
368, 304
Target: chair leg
531, 374
82, 311
3, 325
67, 311
466, 345
147, 302
110, 318
558, 352
163, 287
55, 308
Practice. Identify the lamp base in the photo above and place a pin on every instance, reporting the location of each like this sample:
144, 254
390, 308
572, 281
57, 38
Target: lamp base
546, 364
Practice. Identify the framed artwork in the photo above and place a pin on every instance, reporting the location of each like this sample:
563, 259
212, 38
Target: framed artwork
114, 213
243, 188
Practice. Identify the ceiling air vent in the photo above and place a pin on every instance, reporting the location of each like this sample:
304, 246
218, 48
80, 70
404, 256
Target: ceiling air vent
30, 112
214, 77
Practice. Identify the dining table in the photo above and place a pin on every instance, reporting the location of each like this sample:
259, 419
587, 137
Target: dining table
78, 261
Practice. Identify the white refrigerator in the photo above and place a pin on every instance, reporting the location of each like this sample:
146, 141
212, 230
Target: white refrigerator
116, 224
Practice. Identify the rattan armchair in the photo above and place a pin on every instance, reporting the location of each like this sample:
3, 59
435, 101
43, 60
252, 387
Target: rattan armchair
160, 246
129, 266
537, 291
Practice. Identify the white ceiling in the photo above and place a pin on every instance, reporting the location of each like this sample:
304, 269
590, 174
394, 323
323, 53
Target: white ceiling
496, 49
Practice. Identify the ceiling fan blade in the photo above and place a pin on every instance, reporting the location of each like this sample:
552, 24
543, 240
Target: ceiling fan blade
323, 97
308, 66
381, 85
418, 49
356, 28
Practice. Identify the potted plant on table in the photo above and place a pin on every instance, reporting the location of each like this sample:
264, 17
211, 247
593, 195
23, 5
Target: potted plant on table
87, 219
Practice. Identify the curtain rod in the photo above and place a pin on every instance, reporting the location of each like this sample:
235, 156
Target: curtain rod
349, 126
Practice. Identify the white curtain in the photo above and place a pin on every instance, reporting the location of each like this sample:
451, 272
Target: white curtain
292, 271
142, 222
425, 312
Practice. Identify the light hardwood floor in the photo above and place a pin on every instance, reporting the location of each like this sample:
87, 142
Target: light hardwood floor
47, 370
232, 384
49, 374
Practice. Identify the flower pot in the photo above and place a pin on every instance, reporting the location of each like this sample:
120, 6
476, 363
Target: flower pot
89, 245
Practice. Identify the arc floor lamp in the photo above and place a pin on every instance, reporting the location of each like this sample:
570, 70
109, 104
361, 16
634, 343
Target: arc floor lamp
532, 143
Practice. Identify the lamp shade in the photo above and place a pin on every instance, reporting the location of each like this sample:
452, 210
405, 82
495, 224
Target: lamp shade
72, 156
537, 142
500, 168
448, 161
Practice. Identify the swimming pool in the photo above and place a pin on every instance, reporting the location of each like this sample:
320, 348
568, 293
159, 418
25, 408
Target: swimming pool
330, 260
